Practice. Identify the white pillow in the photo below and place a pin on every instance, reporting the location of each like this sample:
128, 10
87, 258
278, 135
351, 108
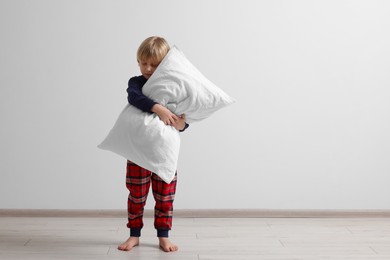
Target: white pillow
145, 140
142, 137
179, 86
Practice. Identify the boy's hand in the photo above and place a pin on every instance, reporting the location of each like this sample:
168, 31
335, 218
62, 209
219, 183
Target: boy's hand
165, 114
180, 123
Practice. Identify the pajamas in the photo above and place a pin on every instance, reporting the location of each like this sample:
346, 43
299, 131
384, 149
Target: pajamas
138, 182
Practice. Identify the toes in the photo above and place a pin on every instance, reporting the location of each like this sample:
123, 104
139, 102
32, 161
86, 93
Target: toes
125, 247
167, 246
172, 248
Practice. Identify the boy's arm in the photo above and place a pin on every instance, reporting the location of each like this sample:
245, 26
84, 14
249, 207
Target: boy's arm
136, 97
142, 102
164, 114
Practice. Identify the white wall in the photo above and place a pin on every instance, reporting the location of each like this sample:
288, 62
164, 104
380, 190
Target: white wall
310, 129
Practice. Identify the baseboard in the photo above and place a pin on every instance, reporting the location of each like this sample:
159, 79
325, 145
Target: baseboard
203, 213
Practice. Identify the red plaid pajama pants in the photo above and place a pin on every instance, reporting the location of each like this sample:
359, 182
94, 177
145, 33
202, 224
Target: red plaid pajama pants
138, 182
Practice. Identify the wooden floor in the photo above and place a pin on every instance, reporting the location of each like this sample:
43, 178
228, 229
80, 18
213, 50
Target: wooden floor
198, 238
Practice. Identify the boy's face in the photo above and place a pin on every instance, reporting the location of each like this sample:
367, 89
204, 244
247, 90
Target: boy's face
147, 67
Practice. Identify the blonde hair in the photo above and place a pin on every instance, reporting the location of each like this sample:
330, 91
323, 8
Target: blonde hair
154, 48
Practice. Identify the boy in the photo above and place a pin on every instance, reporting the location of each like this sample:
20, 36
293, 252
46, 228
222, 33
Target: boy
149, 55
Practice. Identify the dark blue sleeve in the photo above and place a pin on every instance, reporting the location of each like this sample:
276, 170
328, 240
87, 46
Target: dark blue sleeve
136, 97
185, 127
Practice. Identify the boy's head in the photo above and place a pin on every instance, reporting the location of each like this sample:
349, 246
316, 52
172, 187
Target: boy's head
150, 53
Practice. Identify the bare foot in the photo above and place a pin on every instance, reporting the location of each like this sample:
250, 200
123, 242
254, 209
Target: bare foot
129, 244
166, 245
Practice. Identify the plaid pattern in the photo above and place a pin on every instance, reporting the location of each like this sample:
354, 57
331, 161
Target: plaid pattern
138, 182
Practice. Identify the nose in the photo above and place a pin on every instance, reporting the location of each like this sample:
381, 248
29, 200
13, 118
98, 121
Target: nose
149, 68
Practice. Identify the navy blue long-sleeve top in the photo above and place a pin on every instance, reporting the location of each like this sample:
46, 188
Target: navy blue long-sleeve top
138, 99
